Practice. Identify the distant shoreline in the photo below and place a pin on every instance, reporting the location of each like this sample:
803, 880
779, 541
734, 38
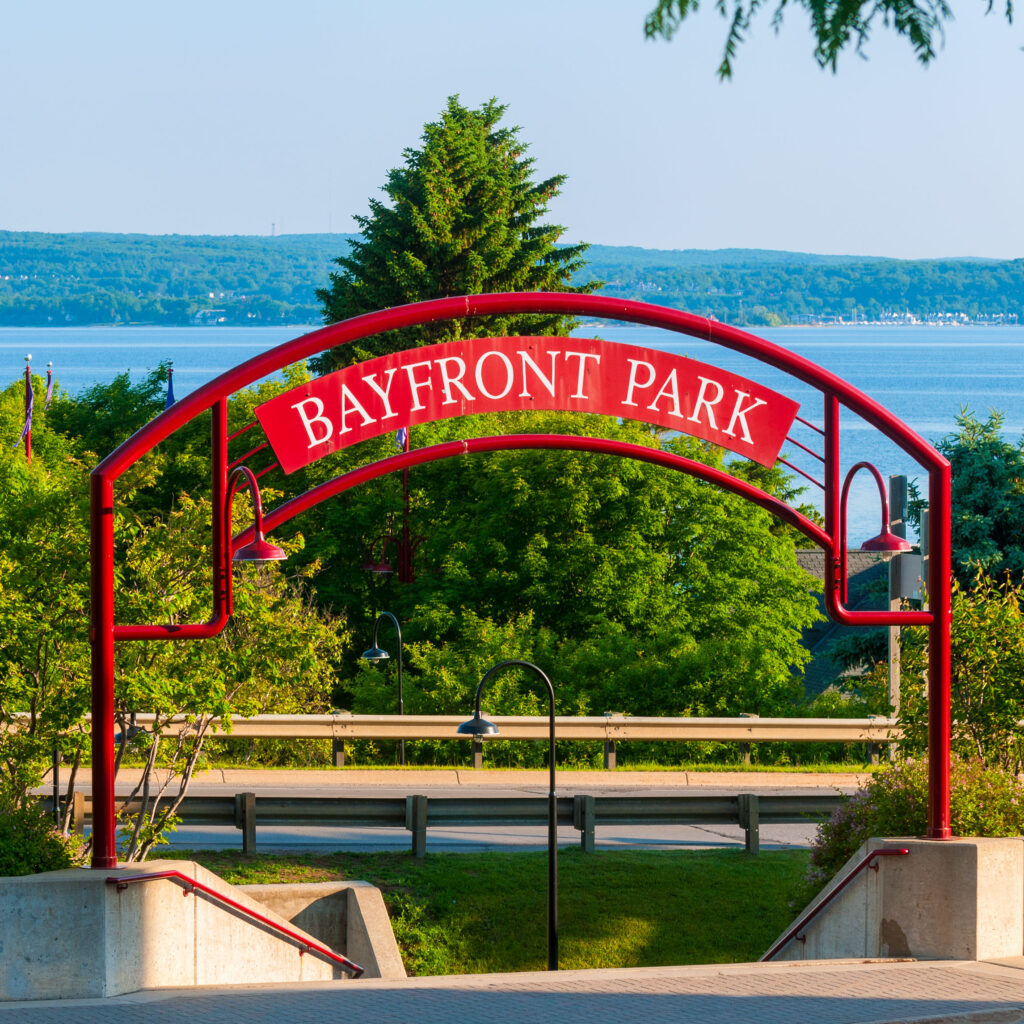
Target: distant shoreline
305, 328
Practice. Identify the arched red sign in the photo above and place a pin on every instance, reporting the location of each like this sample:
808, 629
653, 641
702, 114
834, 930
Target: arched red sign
516, 373
502, 374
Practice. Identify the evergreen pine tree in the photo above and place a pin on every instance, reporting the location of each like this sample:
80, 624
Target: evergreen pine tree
462, 220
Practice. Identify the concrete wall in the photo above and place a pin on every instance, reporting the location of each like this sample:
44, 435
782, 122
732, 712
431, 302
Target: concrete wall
350, 917
959, 899
67, 934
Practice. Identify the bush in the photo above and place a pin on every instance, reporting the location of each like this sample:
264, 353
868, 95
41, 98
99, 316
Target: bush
29, 843
985, 801
986, 675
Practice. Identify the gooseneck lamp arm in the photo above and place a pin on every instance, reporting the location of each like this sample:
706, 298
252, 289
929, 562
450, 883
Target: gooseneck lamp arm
885, 541
258, 550
377, 653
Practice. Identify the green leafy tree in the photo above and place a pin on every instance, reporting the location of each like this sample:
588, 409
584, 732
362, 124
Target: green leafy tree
44, 607
280, 654
987, 529
835, 26
277, 654
637, 588
463, 219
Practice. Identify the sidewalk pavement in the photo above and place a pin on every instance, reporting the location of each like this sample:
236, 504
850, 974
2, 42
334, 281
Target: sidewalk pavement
826, 992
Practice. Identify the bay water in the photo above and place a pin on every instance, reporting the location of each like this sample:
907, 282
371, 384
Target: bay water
924, 374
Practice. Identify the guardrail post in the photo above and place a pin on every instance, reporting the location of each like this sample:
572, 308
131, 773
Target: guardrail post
78, 813
874, 752
584, 820
750, 821
609, 755
745, 747
245, 819
478, 752
416, 823
338, 753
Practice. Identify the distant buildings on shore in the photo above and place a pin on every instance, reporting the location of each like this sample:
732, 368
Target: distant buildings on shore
892, 317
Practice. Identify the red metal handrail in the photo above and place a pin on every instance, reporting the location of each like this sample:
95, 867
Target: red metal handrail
192, 885
794, 932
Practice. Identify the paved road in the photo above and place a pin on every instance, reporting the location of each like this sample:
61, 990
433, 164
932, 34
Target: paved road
466, 782
824, 993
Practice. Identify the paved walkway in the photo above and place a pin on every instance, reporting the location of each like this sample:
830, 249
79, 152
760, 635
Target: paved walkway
823, 993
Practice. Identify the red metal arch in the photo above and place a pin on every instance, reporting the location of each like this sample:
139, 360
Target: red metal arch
213, 396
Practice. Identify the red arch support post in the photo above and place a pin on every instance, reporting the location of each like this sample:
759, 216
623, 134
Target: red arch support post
105, 633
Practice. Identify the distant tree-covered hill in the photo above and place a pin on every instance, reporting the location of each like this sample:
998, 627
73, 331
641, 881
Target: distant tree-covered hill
162, 279
77, 279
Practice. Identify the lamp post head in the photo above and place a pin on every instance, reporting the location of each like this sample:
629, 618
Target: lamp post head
381, 568
375, 654
477, 726
259, 552
886, 541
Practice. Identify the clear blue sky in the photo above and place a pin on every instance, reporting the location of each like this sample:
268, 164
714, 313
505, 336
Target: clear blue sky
222, 117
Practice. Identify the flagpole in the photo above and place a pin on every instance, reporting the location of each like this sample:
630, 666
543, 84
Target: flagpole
28, 406
405, 553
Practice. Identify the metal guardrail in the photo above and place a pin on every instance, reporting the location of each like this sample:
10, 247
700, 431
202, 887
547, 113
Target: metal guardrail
246, 811
610, 729
344, 726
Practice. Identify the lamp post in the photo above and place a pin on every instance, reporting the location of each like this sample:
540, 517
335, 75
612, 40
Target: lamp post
478, 726
377, 653
26, 432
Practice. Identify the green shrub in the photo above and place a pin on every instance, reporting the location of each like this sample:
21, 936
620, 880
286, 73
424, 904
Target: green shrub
985, 801
29, 843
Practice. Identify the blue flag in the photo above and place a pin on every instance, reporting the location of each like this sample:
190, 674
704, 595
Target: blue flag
170, 389
49, 386
402, 439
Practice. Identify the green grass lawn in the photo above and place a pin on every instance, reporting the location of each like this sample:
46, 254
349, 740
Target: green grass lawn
467, 913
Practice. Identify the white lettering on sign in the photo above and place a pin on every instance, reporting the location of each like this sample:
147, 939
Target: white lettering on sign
385, 392
415, 385
448, 382
739, 415
548, 383
670, 389
582, 371
317, 417
504, 374
509, 374
349, 405
633, 384
705, 402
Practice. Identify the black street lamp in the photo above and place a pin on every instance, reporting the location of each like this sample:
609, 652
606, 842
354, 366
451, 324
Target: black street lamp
377, 653
478, 726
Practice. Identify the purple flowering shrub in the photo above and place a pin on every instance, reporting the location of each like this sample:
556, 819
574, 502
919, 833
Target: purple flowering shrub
984, 801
